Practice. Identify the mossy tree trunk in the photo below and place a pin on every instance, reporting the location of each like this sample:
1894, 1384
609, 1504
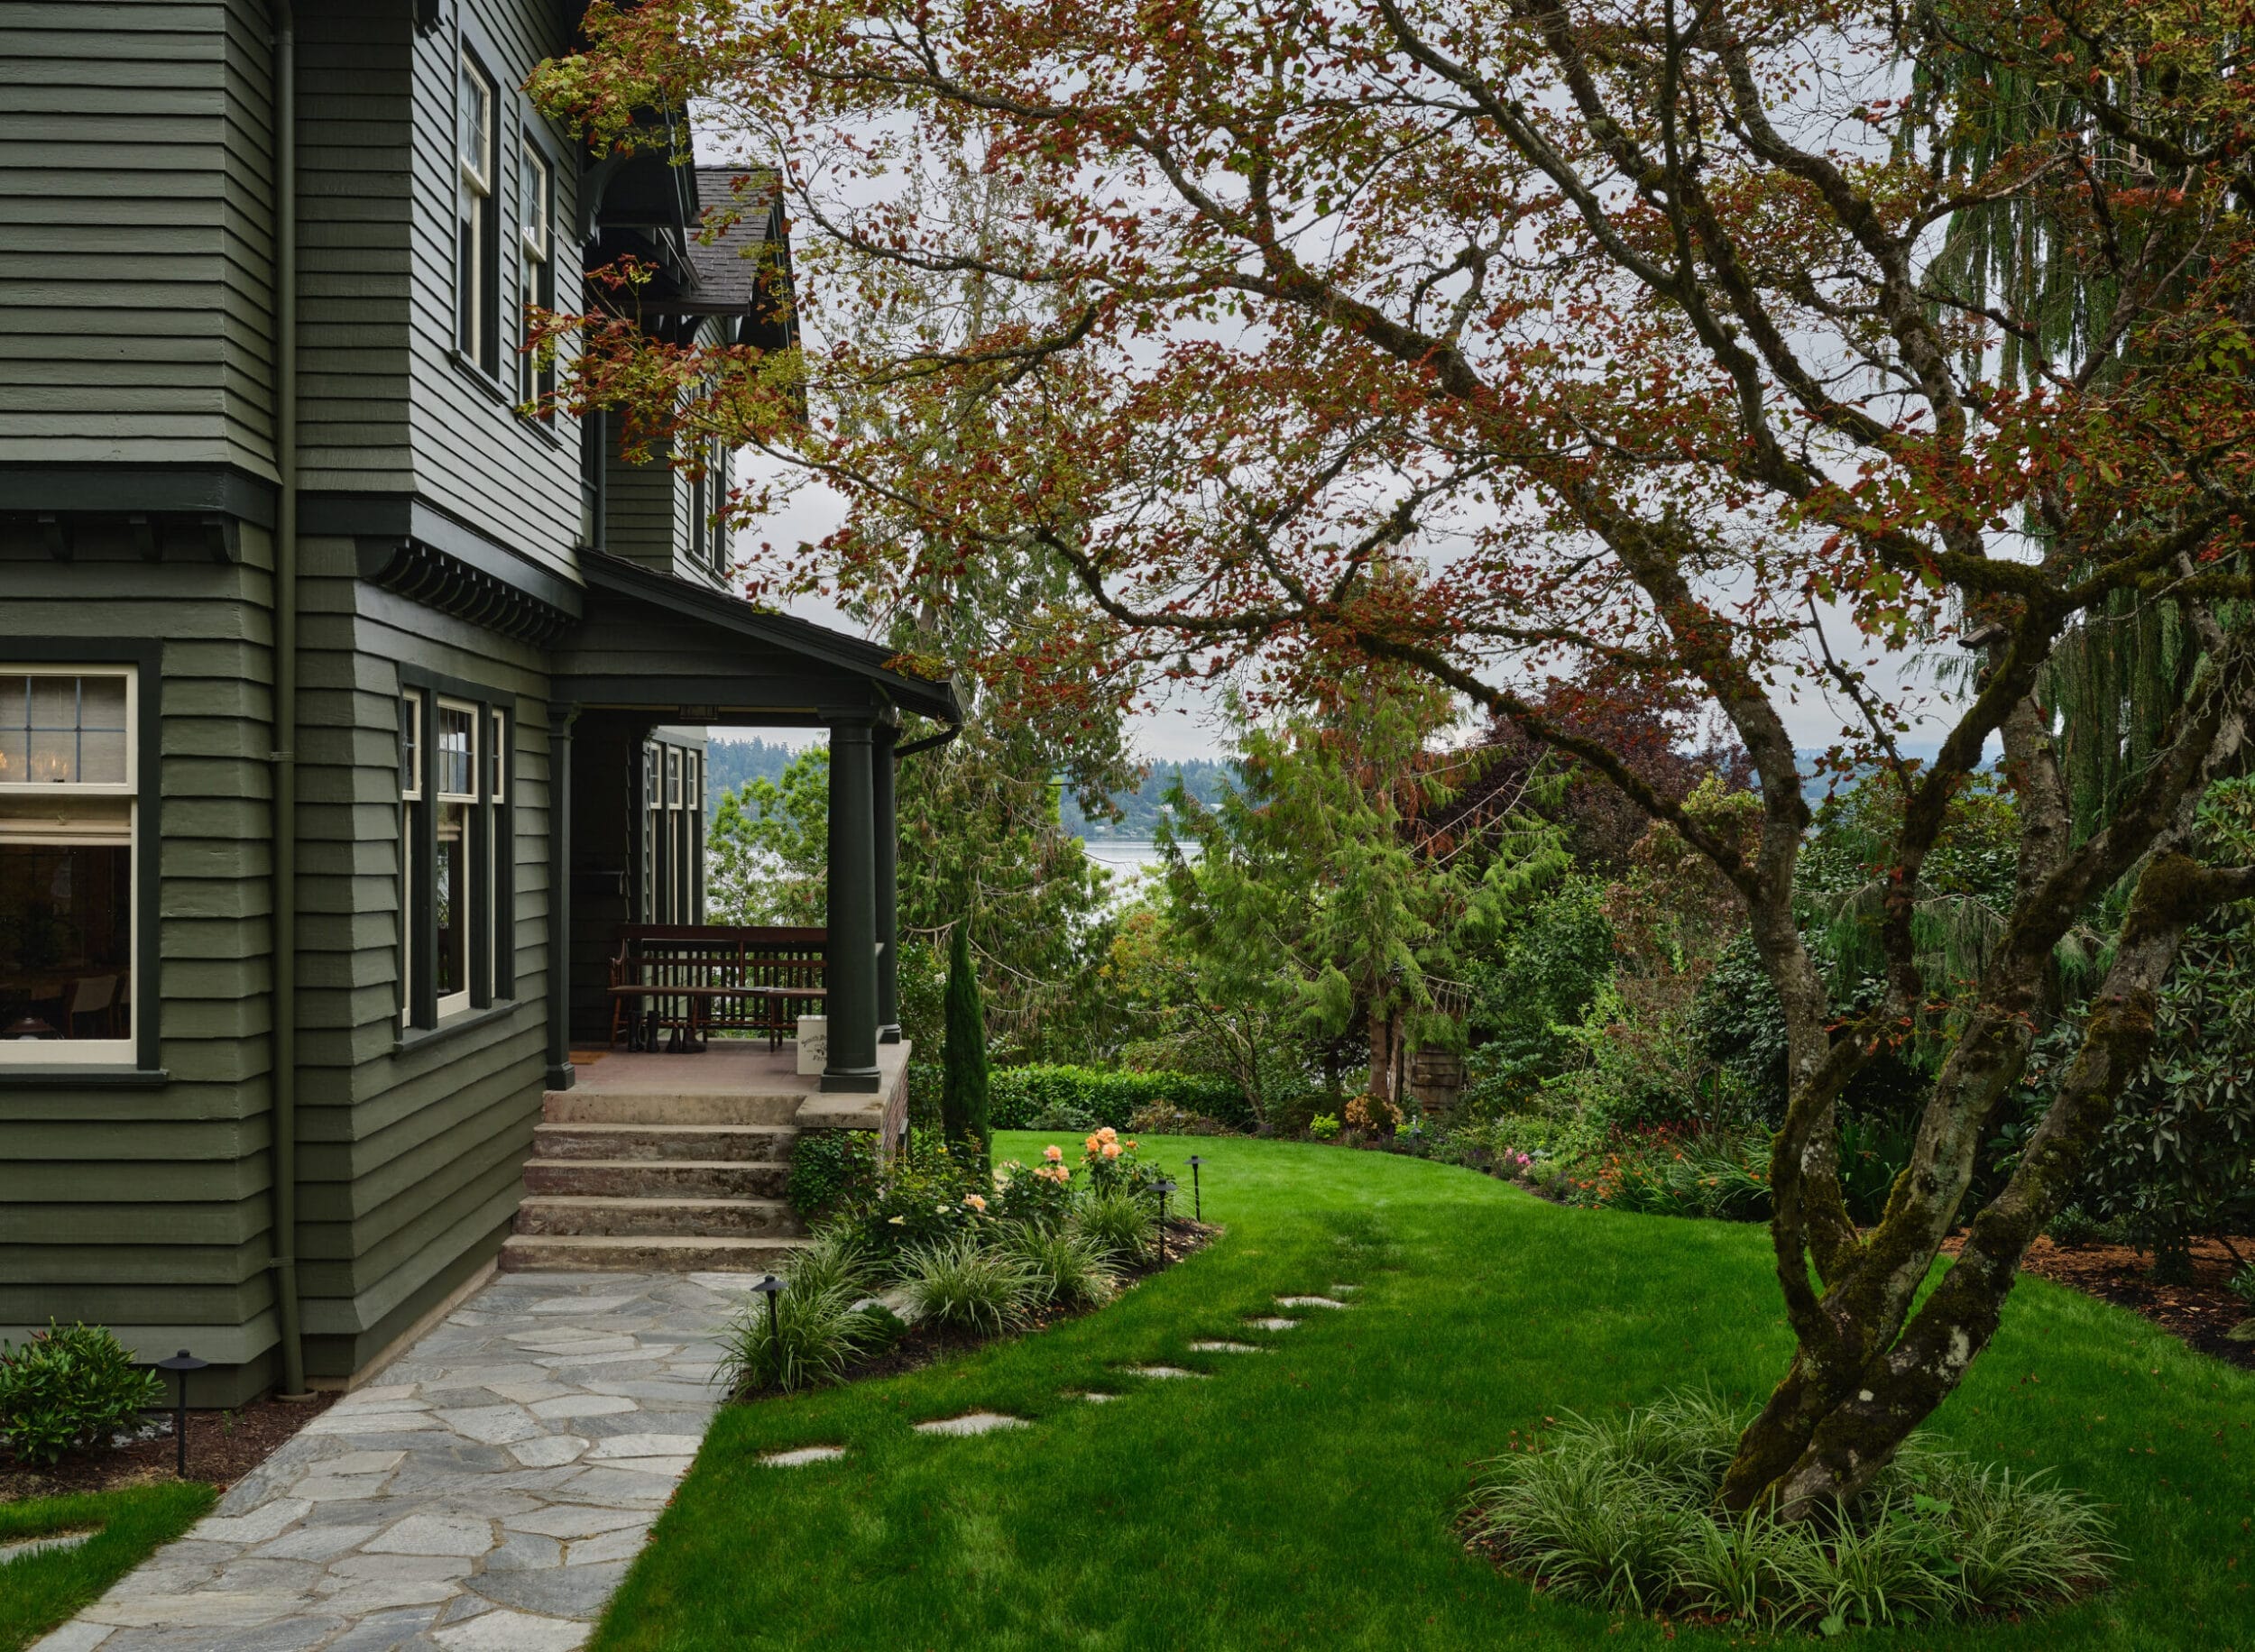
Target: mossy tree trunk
1873, 1362
963, 1085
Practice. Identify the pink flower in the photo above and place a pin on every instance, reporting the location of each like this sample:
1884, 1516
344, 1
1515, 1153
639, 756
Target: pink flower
1052, 1154
974, 1201
1111, 1149
1524, 1159
1108, 1135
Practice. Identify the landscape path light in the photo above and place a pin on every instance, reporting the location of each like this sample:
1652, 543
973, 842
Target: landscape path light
1163, 1186
771, 1288
1197, 1199
179, 1365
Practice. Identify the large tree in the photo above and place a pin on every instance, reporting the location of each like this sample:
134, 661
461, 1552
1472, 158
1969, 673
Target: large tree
1629, 343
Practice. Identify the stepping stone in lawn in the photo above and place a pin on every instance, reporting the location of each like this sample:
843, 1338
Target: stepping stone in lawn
972, 1422
1162, 1372
1308, 1302
1226, 1347
1093, 1397
1272, 1323
802, 1456
1345, 1291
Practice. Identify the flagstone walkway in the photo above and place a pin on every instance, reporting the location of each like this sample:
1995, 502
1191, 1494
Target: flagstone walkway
487, 1491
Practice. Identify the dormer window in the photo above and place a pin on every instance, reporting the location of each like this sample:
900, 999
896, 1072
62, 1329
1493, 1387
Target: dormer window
536, 203
476, 271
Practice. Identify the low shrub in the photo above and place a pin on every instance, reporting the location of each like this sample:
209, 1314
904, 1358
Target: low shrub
1019, 1097
1115, 1166
1324, 1126
1034, 1196
928, 1194
1619, 1512
834, 1262
961, 1282
2242, 1285
1064, 1115
71, 1386
814, 1335
1660, 1171
1068, 1269
2076, 1225
1121, 1226
1159, 1118
831, 1169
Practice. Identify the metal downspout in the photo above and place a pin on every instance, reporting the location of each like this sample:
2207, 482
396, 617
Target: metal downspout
285, 756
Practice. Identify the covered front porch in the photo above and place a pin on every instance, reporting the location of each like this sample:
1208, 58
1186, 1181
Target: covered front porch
670, 1147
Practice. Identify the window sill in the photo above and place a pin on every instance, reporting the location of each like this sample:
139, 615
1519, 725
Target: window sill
483, 380
464, 1021
89, 1078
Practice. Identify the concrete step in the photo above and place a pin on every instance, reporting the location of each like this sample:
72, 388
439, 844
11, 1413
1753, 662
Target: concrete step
657, 1177
647, 1253
591, 1106
565, 1216
710, 1143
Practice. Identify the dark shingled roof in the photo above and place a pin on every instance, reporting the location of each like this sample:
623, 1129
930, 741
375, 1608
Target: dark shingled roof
728, 263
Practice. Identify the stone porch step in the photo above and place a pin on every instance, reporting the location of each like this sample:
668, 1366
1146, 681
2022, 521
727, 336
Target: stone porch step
593, 1106
643, 1253
565, 1216
657, 1177
709, 1143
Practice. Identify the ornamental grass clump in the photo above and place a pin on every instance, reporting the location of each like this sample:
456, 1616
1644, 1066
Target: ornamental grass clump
1122, 1226
1620, 1512
972, 1287
813, 1335
1068, 1269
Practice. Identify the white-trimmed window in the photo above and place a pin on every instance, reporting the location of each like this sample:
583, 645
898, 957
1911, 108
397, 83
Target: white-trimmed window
476, 271
69, 824
456, 870
536, 212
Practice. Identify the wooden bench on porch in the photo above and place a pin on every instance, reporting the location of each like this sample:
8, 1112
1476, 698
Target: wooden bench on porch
686, 981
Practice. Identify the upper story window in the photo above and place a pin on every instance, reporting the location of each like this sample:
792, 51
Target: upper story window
536, 209
477, 276
69, 822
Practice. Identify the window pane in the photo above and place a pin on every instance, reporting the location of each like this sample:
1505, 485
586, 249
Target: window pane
66, 941
102, 756
458, 733
410, 752
496, 764
15, 719
451, 900
54, 755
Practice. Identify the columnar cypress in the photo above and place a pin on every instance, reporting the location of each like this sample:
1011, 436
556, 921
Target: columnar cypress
963, 1077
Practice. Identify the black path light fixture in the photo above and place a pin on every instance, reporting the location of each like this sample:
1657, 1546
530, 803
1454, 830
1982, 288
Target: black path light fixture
771, 1288
1197, 1199
1163, 1186
179, 1365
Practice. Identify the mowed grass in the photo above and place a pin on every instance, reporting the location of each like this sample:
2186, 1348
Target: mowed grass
39, 1591
1305, 1496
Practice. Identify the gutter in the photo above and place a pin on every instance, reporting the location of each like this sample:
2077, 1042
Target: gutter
284, 1079
931, 743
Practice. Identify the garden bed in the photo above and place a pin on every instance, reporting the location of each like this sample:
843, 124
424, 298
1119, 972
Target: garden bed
222, 1447
924, 1343
2199, 1312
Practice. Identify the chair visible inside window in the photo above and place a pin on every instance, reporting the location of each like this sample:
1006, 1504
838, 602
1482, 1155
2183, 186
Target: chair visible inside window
92, 996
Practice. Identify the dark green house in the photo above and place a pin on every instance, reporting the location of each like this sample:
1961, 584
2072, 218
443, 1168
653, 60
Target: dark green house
346, 710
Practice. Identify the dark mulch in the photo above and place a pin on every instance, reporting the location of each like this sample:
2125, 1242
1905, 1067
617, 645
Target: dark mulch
923, 1344
222, 1447
2200, 1312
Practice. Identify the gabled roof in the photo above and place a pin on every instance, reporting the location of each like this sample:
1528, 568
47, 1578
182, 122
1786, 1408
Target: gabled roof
728, 260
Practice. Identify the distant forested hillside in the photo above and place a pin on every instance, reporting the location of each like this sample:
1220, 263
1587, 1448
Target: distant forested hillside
1202, 778
731, 763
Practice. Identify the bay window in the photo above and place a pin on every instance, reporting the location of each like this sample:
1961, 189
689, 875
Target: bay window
70, 817
477, 283
536, 208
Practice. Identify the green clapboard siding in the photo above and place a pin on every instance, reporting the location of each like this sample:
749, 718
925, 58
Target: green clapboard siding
136, 171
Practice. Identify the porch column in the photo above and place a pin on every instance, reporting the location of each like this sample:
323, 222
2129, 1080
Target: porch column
887, 737
850, 956
560, 1074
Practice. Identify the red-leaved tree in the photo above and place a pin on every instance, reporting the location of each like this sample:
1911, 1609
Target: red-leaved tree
1628, 345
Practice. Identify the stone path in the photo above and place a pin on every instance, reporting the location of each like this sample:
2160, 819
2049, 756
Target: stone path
488, 1491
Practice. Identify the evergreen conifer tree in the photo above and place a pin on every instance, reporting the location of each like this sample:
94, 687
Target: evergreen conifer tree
963, 1075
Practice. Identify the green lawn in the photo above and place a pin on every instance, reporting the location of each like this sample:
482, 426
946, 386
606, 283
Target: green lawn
1303, 1497
38, 1591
